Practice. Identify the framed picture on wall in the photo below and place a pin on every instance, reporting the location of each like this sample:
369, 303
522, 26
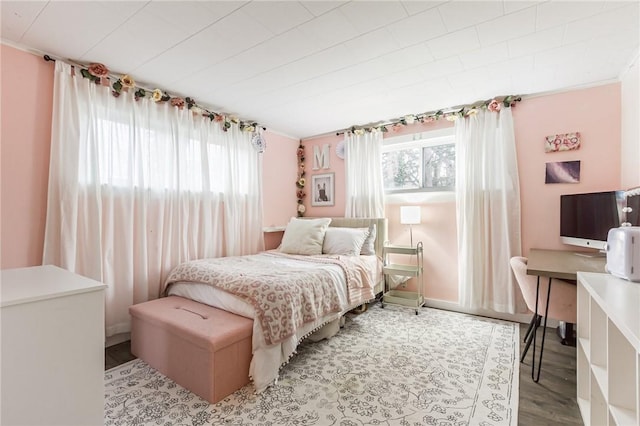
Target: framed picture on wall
562, 172
322, 193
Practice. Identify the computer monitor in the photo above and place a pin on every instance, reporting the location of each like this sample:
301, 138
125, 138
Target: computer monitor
585, 219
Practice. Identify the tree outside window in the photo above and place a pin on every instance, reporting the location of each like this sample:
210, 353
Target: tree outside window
421, 166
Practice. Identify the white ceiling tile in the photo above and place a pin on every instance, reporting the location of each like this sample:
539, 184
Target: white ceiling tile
381, 65
556, 13
454, 43
355, 74
239, 29
272, 81
490, 81
228, 72
402, 59
371, 45
356, 92
536, 80
470, 77
141, 38
125, 9
402, 78
441, 68
507, 27
435, 87
330, 29
416, 6
536, 42
226, 38
511, 6
612, 4
321, 7
278, 51
417, 28
189, 16
320, 63
614, 42
561, 55
463, 14
219, 8
512, 67
328, 82
17, 16
409, 56
621, 20
485, 56
57, 29
303, 90
370, 15
278, 16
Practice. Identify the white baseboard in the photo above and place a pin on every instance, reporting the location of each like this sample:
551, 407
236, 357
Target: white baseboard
453, 306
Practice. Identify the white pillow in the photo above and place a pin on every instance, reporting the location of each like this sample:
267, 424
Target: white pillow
345, 241
369, 247
304, 236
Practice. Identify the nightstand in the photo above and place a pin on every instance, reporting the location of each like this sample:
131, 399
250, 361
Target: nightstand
413, 268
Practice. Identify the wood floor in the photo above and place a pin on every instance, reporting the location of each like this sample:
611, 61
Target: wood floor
551, 401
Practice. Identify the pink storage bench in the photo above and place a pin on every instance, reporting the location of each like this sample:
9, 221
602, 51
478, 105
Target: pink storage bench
202, 348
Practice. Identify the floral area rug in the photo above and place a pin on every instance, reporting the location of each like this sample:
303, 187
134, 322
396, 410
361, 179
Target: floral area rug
385, 367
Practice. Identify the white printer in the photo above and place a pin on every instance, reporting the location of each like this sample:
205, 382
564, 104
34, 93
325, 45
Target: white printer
623, 252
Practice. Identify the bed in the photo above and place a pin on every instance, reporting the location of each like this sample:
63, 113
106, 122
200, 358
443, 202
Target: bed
335, 284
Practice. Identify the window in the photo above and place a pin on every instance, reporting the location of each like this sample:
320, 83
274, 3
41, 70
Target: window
146, 158
420, 162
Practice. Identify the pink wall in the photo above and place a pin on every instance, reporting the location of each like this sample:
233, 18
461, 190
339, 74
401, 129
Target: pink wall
595, 112
27, 96
279, 171
27, 91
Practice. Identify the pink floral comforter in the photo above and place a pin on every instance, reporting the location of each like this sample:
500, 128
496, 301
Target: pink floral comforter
284, 296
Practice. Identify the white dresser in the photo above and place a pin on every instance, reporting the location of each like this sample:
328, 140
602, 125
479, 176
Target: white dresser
52, 348
608, 350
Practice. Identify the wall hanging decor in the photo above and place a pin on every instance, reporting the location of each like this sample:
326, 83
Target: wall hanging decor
321, 157
562, 172
322, 190
562, 142
301, 181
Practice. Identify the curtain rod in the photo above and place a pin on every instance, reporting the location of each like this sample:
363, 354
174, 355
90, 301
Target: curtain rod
455, 111
189, 101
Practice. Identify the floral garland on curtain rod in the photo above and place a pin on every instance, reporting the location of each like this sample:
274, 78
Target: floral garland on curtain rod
451, 114
99, 73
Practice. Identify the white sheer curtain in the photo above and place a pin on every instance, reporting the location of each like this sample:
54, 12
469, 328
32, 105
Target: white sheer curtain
137, 187
488, 211
363, 175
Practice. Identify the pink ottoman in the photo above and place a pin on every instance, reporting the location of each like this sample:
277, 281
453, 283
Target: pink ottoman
203, 349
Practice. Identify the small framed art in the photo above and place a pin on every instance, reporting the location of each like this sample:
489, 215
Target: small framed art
562, 172
322, 190
562, 142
